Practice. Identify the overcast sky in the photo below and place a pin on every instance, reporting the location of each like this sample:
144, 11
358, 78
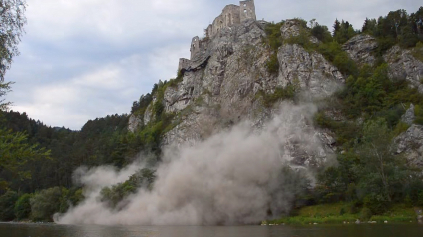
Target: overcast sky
83, 59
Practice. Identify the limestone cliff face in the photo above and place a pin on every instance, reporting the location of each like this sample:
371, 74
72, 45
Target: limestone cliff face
224, 81
223, 91
401, 62
360, 48
410, 144
221, 87
311, 70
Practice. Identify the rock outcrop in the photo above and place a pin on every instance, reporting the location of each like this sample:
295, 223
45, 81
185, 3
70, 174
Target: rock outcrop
409, 116
134, 123
410, 143
292, 28
402, 65
311, 71
360, 48
225, 90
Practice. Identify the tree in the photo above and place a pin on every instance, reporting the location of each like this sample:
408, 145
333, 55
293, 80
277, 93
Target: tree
343, 32
321, 33
12, 21
15, 152
23, 207
4, 88
380, 170
7, 203
336, 27
369, 26
45, 204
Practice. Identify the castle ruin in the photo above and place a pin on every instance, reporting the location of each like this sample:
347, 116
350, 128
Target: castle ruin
231, 15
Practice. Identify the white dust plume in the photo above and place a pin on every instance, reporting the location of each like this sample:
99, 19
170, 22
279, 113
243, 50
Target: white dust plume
239, 176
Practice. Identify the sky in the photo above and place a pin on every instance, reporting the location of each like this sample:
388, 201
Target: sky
86, 59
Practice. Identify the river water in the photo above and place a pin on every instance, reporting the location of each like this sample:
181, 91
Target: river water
363, 230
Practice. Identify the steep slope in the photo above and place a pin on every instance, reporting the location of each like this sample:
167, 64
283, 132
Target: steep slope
230, 82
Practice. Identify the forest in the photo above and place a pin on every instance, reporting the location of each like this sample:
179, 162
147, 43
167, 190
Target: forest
37, 161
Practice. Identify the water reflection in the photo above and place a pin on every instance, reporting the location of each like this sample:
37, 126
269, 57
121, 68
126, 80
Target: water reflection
52, 230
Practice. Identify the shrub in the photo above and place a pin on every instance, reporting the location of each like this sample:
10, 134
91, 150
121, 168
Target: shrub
420, 199
377, 203
272, 65
7, 203
366, 214
280, 93
321, 33
355, 207
23, 207
45, 204
400, 128
417, 52
115, 194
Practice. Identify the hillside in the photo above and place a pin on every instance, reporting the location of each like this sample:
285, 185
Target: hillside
286, 114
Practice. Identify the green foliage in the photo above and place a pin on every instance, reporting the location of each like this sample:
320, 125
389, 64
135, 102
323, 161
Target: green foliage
174, 82
343, 32
274, 40
279, 94
372, 92
334, 214
302, 39
369, 26
420, 199
379, 167
418, 51
16, 152
366, 214
4, 89
45, 204
375, 204
22, 207
12, 21
333, 52
114, 195
273, 35
321, 33
345, 131
273, 64
7, 202
400, 128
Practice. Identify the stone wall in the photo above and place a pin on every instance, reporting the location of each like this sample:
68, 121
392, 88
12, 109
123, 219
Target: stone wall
183, 63
232, 15
228, 17
247, 10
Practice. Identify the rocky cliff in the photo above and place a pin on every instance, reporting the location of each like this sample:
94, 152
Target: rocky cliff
229, 79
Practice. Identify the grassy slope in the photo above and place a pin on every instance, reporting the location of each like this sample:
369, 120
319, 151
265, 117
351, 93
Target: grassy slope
340, 212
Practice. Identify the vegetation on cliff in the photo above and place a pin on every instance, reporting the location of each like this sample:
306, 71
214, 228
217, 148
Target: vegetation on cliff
37, 161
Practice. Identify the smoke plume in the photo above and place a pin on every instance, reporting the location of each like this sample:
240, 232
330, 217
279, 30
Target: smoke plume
239, 176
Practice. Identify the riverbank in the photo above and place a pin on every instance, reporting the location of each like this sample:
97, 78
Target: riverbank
345, 213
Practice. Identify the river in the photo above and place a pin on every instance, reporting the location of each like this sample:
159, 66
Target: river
362, 230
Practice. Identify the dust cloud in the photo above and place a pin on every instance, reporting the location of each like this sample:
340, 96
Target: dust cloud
239, 176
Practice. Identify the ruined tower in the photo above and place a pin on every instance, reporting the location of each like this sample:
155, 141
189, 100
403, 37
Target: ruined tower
247, 10
195, 46
231, 15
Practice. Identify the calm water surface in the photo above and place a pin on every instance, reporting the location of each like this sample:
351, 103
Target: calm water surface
364, 230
